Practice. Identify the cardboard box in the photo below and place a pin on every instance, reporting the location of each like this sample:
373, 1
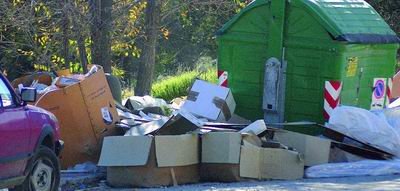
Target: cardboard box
86, 112
230, 157
147, 161
315, 150
210, 101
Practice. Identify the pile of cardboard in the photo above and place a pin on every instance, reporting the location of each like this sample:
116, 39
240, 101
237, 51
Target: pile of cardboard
199, 142
203, 140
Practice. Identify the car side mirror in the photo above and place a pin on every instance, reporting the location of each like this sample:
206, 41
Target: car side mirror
28, 94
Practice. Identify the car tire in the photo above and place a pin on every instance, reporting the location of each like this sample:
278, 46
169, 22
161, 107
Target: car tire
44, 172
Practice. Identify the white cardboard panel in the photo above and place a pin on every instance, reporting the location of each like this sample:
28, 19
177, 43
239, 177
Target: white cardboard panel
125, 151
256, 128
177, 150
221, 147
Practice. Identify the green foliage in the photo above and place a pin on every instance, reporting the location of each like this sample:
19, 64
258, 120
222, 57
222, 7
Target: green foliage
178, 86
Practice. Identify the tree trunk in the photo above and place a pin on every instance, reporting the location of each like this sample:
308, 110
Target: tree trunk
101, 33
82, 53
65, 36
146, 68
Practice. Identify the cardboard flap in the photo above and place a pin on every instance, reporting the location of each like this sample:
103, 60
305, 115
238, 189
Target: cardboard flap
178, 150
223, 106
221, 147
125, 151
250, 161
192, 96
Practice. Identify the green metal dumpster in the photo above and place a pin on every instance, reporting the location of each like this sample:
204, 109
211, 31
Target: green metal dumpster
318, 41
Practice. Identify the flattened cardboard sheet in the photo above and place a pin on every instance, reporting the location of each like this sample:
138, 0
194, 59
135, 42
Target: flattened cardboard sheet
146, 128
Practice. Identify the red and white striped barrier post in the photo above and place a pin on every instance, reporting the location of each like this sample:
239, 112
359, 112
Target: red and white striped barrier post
331, 97
223, 78
389, 92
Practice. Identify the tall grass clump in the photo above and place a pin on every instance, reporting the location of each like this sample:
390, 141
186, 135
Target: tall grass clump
178, 86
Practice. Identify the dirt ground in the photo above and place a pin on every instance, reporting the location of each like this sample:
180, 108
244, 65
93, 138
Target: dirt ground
373, 183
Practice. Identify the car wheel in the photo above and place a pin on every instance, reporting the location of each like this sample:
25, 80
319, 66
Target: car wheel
44, 172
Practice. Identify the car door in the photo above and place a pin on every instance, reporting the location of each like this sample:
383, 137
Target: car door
14, 133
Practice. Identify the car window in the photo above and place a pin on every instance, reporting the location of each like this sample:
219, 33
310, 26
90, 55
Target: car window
5, 94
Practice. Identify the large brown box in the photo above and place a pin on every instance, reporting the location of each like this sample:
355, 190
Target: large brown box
147, 161
87, 113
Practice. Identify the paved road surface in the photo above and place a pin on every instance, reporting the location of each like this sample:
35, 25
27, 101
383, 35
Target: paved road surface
389, 183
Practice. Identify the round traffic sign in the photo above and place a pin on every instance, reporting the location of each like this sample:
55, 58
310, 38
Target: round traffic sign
379, 91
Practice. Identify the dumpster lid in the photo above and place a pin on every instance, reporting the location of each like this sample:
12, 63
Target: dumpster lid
353, 21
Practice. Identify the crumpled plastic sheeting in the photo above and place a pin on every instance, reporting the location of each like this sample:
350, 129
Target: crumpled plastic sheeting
360, 168
392, 116
139, 102
368, 127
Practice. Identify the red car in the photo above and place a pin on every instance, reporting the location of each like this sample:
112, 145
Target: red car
29, 142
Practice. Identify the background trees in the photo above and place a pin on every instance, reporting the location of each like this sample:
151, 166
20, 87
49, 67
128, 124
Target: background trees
138, 40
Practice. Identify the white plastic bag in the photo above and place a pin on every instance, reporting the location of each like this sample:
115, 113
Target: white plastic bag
368, 127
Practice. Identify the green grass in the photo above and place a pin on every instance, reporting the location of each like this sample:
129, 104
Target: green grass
178, 86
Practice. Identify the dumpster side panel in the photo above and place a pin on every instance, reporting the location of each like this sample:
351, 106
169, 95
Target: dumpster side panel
370, 61
242, 53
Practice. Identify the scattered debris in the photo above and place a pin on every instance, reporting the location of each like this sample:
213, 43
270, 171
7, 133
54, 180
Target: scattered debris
82, 176
138, 103
233, 149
